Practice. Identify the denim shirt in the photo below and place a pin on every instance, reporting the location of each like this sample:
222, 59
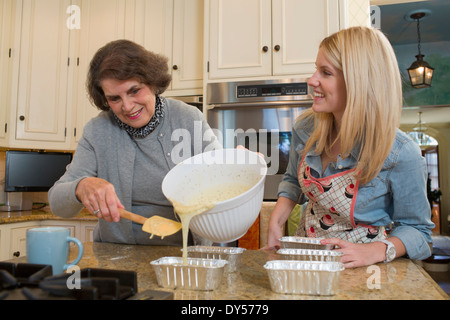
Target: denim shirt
397, 194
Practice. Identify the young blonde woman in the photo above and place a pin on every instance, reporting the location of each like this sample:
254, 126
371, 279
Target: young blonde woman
350, 161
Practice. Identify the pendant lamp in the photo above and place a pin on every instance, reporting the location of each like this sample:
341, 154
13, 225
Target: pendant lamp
420, 72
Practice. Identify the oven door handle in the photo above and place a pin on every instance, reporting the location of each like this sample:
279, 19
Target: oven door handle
261, 104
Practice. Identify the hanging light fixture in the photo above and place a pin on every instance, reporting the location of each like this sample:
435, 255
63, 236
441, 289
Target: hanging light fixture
420, 129
420, 72
420, 135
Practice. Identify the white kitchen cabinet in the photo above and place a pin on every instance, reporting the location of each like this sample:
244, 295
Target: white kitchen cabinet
263, 38
298, 27
6, 32
102, 21
173, 28
40, 108
151, 25
13, 239
240, 38
13, 236
187, 56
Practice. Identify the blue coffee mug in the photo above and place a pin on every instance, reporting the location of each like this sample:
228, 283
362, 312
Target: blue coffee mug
50, 246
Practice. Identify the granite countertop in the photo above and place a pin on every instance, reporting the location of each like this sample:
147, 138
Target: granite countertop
40, 214
398, 280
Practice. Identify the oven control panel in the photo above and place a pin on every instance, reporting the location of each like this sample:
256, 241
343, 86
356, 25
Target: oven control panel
272, 90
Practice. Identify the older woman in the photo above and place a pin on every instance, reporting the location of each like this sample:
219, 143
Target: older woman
127, 150
359, 172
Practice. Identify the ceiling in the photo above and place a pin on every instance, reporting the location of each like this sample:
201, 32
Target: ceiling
401, 30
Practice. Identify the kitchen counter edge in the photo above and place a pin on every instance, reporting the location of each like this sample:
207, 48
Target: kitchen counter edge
41, 215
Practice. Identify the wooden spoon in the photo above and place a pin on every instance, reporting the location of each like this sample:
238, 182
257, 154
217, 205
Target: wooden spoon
155, 225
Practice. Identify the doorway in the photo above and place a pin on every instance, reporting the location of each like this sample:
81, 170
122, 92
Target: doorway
431, 154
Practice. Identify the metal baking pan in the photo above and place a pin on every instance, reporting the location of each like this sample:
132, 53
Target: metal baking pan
196, 274
310, 255
304, 243
304, 277
230, 254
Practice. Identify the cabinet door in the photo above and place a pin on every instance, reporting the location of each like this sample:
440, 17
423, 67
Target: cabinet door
102, 21
152, 26
298, 28
240, 33
18, 239
187, 57
87, 231
5, 45
40, 90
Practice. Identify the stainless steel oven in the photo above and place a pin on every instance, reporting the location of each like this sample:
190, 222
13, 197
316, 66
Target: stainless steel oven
195, 100
259, 115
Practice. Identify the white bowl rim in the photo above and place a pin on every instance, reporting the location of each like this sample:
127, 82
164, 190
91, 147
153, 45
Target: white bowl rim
225, 202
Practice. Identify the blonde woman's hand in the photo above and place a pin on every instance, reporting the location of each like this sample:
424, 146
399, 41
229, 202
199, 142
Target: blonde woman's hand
100, 198
364, 254
358, 254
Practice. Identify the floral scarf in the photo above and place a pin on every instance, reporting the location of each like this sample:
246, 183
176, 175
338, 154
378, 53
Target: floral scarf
151, 126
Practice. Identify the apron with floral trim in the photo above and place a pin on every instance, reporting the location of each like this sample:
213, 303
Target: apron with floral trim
330, 209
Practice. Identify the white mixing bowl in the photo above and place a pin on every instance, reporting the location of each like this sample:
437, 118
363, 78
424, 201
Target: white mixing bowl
229, 220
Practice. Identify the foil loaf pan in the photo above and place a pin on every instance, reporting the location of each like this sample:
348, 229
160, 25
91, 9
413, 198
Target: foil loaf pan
310, 255
304, 243
196, 274
304, 277
230, 254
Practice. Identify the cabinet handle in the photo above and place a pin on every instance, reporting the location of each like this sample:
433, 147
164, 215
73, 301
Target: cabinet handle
265, 49
21, 118
175, 67
16, 254
277, 48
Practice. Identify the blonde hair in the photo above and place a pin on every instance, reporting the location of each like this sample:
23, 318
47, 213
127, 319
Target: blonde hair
374, 99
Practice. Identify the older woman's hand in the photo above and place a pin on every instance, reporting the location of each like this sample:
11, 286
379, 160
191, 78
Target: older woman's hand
100, 198
272, 239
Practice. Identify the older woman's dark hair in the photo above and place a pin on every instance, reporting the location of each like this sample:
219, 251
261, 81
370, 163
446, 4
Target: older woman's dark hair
125, 60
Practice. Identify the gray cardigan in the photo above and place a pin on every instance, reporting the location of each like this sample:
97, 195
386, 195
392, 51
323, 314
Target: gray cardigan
107, 151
